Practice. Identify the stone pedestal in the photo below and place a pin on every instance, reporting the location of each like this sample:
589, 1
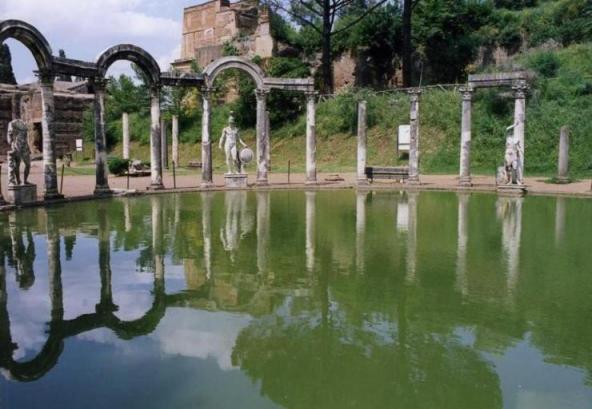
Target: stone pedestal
22, 194
235, 181
512, 190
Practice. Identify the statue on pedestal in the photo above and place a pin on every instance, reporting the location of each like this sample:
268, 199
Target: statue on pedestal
19, 152
228, 141
511, 172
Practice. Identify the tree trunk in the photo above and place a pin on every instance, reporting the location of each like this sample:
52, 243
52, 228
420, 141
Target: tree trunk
407, 47
326, 58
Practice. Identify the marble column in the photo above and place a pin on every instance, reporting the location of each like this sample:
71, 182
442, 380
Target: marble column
362, 142
463, 239
262, 137
206, 143
155, 143
563, 162
412, 236
175, 139
414, 137
311, 139
268, 137
310, 230
101, 171
360, 231
50, 175
262, 231
164, 151
465, 138
520, 89
206, 223
126, 135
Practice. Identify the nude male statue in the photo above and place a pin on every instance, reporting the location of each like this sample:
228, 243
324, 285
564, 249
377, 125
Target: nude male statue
19, 152
228, 141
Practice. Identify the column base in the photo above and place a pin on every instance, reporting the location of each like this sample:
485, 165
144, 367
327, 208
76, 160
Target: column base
106, 307
362, 182
206, 185
52, 195
262, 182
562, 180
311, 182
102, 191
465, 182
155, 186
413, 182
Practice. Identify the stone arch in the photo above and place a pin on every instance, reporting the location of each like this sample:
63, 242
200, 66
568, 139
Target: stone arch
216, 67
31, 38
131, 53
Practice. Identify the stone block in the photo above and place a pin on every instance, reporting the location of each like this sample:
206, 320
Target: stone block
22, 194
235, 181
512, 190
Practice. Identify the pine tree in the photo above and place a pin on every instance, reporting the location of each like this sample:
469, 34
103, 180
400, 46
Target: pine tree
6, 73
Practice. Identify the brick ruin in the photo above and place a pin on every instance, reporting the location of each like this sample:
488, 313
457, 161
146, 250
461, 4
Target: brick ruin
71, 100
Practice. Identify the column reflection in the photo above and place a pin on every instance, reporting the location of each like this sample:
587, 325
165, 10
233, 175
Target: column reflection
412, 235
360, 230
263, 217
463, 238
559, 220
310, 230
206, 222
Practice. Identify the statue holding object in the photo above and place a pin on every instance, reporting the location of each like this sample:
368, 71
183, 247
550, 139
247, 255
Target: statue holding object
512, 173
19, 152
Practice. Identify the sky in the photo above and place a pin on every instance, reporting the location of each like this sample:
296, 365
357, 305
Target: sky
85, 28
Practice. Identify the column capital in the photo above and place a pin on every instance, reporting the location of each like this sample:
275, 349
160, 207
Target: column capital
47, 77
414, 94
155, 88
261, 93
520, 88
98, 83
467, 92
311, 95
206, 92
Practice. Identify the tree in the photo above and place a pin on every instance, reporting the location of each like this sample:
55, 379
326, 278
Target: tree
407, 50
6, 73
321, 16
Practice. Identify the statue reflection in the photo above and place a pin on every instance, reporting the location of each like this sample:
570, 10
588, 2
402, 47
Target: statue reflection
310, 230
509, 211
463, 238
412, 235
237, 217
360, 230
23, 256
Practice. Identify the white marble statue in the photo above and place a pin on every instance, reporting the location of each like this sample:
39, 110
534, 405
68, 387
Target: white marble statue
512, 159
19, 152
228, 141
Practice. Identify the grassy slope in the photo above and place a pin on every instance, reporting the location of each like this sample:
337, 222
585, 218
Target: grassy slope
565, 99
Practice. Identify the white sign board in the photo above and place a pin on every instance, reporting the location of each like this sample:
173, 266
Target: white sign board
78, 145
404, 138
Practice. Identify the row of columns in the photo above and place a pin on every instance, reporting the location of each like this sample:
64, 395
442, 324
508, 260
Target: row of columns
263, 145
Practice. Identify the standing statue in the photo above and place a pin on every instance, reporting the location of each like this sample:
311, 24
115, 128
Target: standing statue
511, 172
19, 152
230, 138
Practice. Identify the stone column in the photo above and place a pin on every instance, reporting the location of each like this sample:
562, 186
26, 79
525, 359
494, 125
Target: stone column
262, 137
268, 136
414, 137
463, 238
360, 230
311, 139
50, 175
520, 116
175, 140
126, 135
465, 138
155, 143
206, 143
262, 230
362, 140
206, 224
310, 230
164, 152
2, 201
101, 175
563, 165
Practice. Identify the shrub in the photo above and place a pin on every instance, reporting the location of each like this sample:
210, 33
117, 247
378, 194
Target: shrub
545, 63
118, 166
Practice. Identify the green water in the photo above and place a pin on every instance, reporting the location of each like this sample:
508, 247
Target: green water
328, 299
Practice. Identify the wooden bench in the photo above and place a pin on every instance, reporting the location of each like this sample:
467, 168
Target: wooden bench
399, 173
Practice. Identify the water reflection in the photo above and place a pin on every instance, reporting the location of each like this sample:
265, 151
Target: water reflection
407, 332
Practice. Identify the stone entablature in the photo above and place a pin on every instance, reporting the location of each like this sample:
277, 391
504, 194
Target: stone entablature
206, 27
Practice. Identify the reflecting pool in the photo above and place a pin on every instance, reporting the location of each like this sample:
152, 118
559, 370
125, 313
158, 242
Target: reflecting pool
320, 299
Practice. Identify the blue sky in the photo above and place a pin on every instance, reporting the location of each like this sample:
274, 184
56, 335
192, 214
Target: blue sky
84, 28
